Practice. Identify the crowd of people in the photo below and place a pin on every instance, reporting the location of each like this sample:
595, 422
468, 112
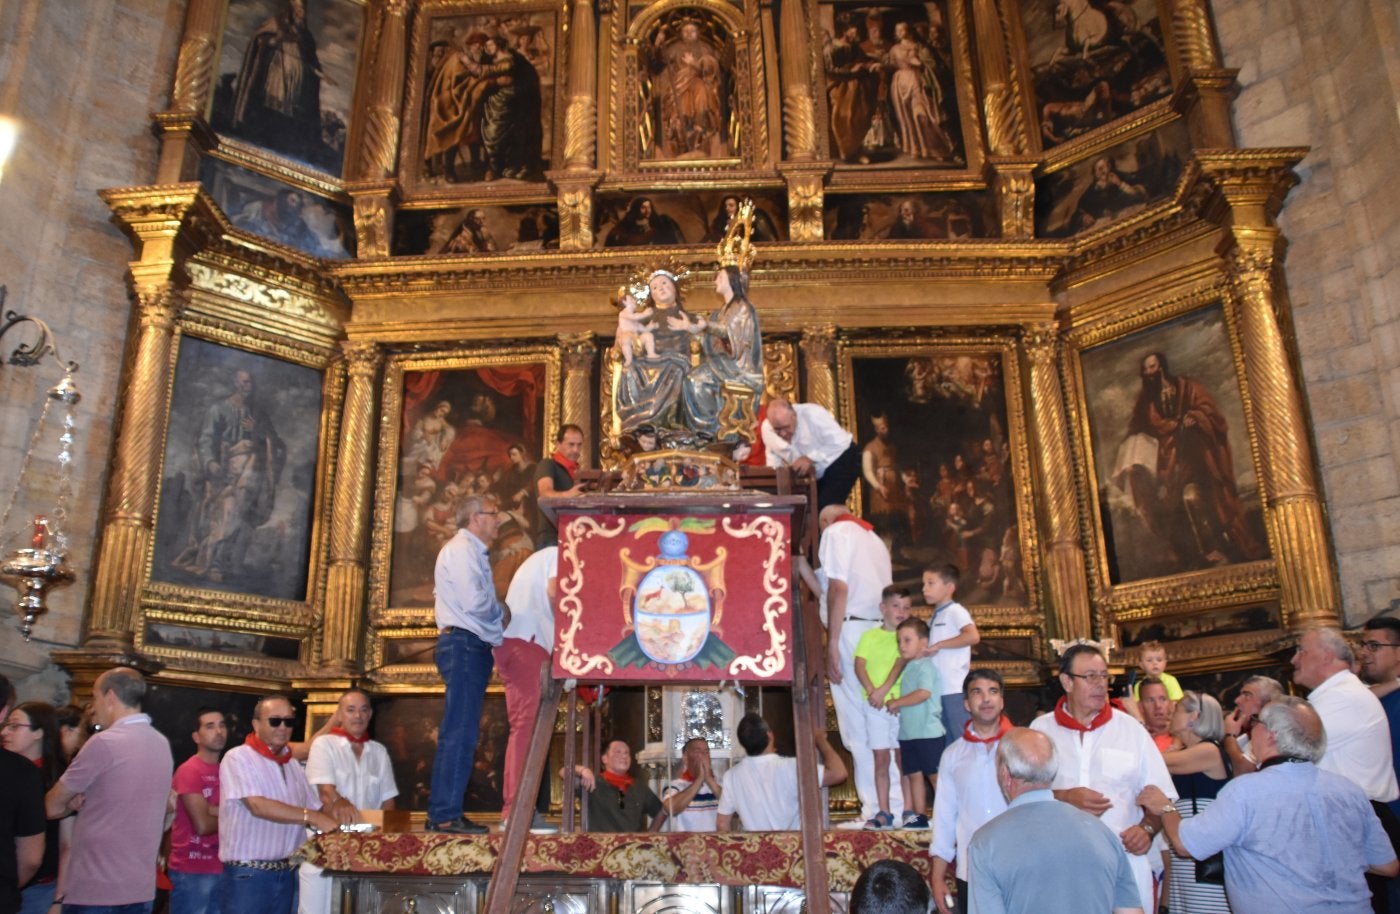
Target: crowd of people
1151, 799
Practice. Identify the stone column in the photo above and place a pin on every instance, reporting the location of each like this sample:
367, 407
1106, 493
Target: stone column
819, 354
581, 118
1253, 191
351, 497
165, 225
795, 67
578, 352
1066, 586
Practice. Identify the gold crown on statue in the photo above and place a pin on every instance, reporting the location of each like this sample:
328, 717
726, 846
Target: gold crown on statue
735, 249
1104, 647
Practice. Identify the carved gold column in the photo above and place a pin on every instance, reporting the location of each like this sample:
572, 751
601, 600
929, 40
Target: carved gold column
1014, 181
819, 356
795, 66
581, 119
182, 128
578, 352
1066, 587
374, 216
379, 126
351, 494
1208, 89
164, 225
1253, 186
1001, 107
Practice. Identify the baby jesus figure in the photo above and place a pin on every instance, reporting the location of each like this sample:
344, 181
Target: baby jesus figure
633, 323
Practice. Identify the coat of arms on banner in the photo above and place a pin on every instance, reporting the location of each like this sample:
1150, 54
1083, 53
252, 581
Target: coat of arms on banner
680, 597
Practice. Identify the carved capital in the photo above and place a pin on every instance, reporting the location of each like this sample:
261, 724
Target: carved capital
576, 217
1041, 342
806, 199
159, 307
577, 351
362, 357
372, 226
819, 343
1015, 185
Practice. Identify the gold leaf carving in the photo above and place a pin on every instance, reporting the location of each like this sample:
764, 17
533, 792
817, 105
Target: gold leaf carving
380, 144
580, 132
1191, 28
192, 74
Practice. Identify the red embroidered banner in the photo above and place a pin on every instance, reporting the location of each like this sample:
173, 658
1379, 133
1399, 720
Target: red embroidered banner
674, 598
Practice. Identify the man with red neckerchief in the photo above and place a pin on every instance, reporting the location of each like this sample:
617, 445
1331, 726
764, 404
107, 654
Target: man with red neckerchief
265, 809
554, 478
854, 570
1106, 759
619, 801
350, 772
968, 796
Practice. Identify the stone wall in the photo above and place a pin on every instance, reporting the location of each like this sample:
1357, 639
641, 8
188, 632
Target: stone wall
83, 80
1328, 76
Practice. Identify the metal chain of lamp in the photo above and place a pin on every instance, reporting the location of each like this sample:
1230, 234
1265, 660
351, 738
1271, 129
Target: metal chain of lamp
43, 564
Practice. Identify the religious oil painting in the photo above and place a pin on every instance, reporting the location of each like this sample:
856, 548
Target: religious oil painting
462, 432
891, 97
287, 77
937, 464
690, 88
1112, 186
698, 217
1091, 62
489, 95
908, 217
278, 212
408, 728
1177, 488
238, 482
477, 230
1232, 621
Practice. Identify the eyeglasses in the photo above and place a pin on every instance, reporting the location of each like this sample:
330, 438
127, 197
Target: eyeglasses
489, 513
16, 725
1376, 645
1093, 676
281, 721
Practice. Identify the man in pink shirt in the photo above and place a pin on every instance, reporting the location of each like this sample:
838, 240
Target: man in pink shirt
265, 809
121, 782
194, 865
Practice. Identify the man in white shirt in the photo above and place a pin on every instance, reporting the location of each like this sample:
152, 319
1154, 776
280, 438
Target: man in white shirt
1106, 758
692, 800
1358, 734
524, 651
470, 623
968, 795
762, 788
855, 565
807, 439
350, 772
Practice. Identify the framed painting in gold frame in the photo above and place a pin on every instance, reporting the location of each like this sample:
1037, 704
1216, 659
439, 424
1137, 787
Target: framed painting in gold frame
454, 424
485, 101
944, 432
1166, 445
236, 563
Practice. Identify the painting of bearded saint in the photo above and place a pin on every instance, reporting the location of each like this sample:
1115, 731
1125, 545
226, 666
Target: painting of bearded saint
690, 93
1180, 492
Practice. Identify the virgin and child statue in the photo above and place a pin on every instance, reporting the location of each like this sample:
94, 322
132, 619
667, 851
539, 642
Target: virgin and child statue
692, 400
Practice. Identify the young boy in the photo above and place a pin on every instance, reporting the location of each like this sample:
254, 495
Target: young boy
951, 635
920, 713
878, 667
1152, 663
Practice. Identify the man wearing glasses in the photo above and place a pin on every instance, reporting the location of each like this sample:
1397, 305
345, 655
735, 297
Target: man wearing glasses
471, 621
265, 808
1380, 666
1105, 758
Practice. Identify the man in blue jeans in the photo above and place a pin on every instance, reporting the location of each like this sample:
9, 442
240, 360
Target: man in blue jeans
470, 623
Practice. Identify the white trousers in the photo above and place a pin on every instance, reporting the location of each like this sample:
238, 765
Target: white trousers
850, 719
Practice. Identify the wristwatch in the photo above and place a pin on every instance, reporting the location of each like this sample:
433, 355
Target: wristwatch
1169, 809
1147, 827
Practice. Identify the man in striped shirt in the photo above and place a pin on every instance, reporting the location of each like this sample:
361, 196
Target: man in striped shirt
266, 806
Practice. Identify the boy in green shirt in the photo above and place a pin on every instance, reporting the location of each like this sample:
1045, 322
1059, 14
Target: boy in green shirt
878, 667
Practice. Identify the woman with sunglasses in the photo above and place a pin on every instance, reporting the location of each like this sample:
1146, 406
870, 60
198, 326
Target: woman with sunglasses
32, 731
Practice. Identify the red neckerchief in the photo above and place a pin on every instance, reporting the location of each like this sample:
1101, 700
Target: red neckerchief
38, 763
864, 524
263, 749
566, 463
971, 735
685, 775
340, 731
1063, 718
623, 782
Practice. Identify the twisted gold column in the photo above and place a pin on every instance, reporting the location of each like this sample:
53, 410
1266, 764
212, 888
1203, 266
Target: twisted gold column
1065, 581
379, 136
819, 354
799, 109
345, 582
1006, 128
581, 119
578, 352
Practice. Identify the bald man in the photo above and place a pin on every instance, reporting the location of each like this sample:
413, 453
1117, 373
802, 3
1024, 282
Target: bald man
806, 438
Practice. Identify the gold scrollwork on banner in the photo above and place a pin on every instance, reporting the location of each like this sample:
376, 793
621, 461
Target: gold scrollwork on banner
571, 659
769, 532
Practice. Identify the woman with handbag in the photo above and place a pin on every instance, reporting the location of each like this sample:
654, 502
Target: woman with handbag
1199, 769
